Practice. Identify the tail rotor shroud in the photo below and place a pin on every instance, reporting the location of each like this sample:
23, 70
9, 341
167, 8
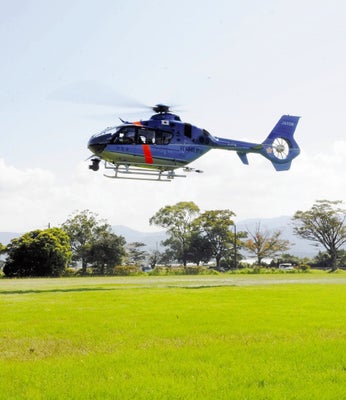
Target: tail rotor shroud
281, 148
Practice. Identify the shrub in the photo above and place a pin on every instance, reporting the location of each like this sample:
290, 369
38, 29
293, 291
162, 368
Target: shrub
127, 270
88, 272
188, 270
304, 267
253, 270
193, 270
158, 271
69, 272
162, 271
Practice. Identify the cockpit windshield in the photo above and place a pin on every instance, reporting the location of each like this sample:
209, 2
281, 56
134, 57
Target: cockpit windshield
107, 131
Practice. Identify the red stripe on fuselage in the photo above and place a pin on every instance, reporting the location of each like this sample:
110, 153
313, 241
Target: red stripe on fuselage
147, 154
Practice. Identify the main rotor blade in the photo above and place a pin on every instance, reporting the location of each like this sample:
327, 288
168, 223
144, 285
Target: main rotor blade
95, 93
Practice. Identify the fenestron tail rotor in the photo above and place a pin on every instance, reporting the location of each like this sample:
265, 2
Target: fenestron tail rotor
281, 148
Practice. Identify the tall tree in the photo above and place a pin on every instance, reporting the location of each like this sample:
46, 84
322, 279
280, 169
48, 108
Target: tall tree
83, 229
324, 223
38, 253
153, 258
215, 227
106, 251
135, 252
200, 249
178, 220
265, 244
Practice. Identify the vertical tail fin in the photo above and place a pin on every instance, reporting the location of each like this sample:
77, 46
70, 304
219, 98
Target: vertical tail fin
280, 147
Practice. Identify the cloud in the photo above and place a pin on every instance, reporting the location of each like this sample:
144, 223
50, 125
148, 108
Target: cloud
24, 196
32, 198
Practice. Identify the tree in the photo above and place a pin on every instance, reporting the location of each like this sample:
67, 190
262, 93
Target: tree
166, 257
153, 258
214, 225
2, 248
93, 242
264, 244
80, 228
135, 254
342, 258
38, 253
321, 260
200, 249
105, 252
178, 220
324, 224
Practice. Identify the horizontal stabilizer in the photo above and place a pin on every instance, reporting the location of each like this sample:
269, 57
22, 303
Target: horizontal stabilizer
243, 157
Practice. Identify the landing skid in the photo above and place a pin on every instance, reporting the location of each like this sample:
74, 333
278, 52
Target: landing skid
136, 172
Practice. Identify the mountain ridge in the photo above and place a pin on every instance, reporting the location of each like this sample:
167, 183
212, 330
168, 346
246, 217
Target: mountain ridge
152, 240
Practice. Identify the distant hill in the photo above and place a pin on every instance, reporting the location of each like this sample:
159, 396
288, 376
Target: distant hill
301, 248
151, 239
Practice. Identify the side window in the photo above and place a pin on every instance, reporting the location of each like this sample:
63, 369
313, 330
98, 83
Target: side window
134, 135
130, 136
163, 137
126, 135
146, 136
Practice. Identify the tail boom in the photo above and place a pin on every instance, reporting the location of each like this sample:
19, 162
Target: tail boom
279, 147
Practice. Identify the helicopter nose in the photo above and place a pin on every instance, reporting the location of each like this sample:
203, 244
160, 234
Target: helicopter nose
97, 144
96, 148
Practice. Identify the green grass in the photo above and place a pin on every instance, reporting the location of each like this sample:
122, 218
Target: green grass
210, 337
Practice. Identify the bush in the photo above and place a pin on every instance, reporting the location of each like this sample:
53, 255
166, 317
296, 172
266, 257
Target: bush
161, 271
256, 269
127, 270
193, 270
304, 267
188, 270
250, 270
79, 272
158, 271
69, 272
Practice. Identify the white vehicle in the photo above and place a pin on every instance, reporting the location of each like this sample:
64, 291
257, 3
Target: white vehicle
286, 267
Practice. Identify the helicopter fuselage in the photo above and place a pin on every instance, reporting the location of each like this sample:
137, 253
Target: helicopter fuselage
165, 143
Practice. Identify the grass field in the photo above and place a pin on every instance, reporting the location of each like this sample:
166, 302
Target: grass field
209, 337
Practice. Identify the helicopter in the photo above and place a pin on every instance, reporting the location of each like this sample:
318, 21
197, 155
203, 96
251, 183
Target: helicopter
156, 148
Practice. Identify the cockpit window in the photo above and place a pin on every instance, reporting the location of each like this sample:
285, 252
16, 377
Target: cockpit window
146, 135
140, 135
163, 137
109, 130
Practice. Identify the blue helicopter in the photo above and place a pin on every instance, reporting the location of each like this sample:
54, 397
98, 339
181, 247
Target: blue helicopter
154, 149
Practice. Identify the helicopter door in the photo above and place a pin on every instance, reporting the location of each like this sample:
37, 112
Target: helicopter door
163, 137
125, 136
188, 130
146, 136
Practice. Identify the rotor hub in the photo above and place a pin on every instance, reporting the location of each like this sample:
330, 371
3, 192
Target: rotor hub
161, 108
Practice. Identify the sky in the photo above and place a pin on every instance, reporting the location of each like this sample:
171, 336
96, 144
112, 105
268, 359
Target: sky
69, 68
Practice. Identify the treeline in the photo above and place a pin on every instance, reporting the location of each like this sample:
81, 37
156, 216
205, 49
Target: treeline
192, 237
